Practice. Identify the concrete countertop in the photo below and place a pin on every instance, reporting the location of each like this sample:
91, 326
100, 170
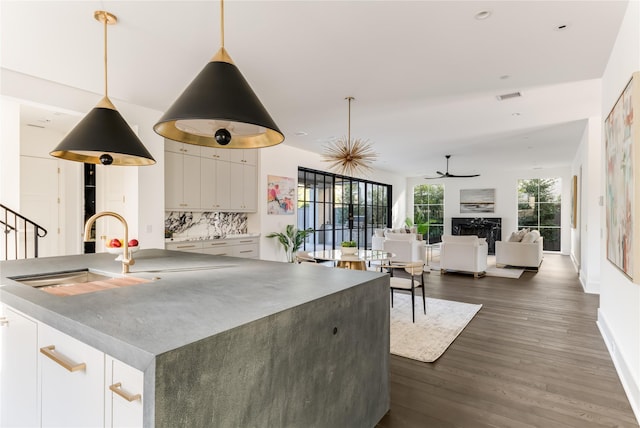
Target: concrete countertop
192, 297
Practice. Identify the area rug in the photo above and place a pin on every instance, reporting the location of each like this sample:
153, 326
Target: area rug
492, 270
431, 334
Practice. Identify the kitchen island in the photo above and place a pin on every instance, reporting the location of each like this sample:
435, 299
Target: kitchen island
223, 341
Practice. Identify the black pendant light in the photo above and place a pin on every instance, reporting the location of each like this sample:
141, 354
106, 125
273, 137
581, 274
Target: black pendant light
103, 136
219, 109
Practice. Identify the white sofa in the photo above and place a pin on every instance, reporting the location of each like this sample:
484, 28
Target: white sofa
526, 252
405, 246
465, 253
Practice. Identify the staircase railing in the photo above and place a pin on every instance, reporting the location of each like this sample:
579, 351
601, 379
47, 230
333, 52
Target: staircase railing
15, 238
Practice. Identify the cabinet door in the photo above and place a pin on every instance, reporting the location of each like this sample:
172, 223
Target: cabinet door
223, 191
208, 185
71, 381
191, 184
249, 188
19, 380
124, 397
174, 180
244, 156
236, 187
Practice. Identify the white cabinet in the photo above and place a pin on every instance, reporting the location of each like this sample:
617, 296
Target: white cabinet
50, 379
190, 247
217, 248
182, 181
214, 184
71, 381
210, 179
244, 156
240, 247
19, 380
123, 397
243, 184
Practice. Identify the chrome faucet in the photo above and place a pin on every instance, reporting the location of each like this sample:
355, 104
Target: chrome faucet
127, 259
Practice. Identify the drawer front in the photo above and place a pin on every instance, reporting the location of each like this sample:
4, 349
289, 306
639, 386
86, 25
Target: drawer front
124, 395
222, 251
71, 379
249, 251
216, 244
184, 246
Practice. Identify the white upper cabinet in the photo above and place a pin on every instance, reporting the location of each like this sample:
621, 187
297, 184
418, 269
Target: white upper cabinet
213, 180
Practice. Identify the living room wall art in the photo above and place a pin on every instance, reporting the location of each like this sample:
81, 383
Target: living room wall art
622, 136
281, 195
477, 200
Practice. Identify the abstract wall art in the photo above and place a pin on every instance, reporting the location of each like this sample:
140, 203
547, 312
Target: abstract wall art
477, 200
622, 135
281, 195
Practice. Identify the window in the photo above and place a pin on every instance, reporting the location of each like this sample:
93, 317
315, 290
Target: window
340, 208
539, 208
428, 211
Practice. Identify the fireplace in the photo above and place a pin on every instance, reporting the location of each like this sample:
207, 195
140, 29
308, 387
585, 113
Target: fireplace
483, 227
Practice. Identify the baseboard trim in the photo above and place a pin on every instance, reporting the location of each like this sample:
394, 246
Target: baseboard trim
631, 388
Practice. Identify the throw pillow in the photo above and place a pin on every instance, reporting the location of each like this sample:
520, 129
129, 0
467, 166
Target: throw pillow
515, 237
531, 237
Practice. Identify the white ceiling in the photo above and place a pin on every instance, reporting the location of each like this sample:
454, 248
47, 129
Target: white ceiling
425, 74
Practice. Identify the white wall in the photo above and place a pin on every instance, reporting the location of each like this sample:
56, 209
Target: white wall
9, 152
586, 239
619, 313
150, 181
283, 160
506, 184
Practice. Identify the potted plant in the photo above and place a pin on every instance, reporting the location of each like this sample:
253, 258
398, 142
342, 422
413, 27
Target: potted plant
349, 247
291, 240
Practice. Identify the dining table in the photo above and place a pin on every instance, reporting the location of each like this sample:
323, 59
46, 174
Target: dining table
356, 261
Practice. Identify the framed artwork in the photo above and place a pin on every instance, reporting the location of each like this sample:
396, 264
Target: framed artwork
281, 195
622, 134
477, 200
574, 202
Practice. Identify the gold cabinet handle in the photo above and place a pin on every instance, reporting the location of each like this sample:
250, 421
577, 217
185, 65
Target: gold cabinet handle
246, 242
3, 321
63, 361
117, 388
247, 251
186, 246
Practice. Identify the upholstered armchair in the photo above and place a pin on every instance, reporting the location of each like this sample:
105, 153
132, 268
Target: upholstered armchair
405, 247
466, 253
525, 252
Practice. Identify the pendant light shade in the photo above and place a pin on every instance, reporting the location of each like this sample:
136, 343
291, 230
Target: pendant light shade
103, 136
219, 109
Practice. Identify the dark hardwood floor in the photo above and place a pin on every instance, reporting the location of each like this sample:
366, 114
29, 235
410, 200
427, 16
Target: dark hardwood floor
532, 357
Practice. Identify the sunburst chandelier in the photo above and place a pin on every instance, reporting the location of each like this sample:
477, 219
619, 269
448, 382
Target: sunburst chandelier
347, 156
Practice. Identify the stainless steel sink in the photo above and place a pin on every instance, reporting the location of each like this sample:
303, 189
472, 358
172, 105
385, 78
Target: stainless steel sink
60, 279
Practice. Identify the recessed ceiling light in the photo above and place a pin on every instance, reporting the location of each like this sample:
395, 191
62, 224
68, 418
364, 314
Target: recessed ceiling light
300, 133
515, 114
483, 14
504, 77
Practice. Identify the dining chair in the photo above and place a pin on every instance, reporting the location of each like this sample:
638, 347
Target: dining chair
416, 280
304, 257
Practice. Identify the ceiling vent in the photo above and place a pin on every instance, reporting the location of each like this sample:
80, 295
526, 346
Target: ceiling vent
508, 96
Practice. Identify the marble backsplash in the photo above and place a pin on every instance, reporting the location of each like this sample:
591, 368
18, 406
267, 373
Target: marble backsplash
183, 224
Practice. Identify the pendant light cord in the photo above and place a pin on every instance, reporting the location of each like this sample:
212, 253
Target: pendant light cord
106, 88
222, 23
349, 123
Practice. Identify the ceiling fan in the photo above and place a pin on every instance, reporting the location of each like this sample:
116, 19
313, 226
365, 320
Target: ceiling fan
447, 175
